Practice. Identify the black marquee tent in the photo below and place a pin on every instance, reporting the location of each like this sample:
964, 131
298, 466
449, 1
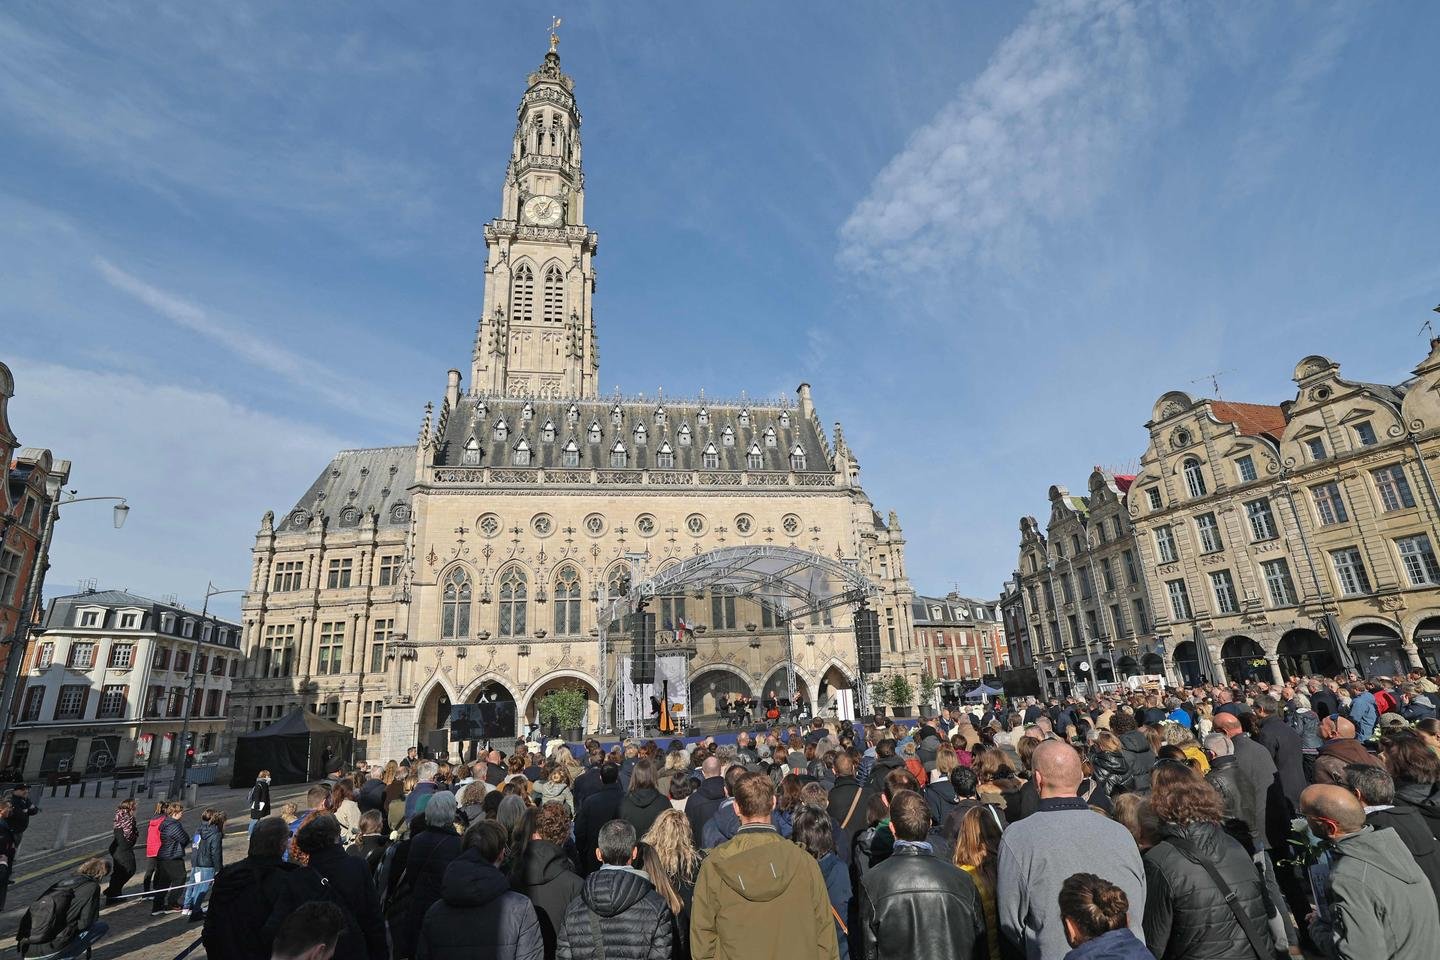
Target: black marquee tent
297, 748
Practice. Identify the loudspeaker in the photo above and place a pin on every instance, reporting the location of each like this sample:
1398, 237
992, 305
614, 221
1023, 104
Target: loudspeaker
642, 648
867, 640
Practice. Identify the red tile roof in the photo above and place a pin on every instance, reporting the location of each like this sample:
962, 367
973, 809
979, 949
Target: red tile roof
1253, 419
1123, 481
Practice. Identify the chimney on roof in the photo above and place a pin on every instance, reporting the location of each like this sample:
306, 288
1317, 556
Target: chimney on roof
452, 389
807, 406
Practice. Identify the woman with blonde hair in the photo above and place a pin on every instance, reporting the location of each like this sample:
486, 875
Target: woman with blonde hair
562, 756
394, 783
1178, 736
977, 852
672, 845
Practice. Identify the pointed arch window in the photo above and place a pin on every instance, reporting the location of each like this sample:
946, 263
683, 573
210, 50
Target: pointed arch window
703, 417
455, 605
640, 434
594, 431
520, 456
710, 458
665, 457
659, 416
618, 455
754, 459
784, 419
522, 294
617, 416
684, 435
502, 429
514, 590
553, 302
727, 436
570, 456
770, 436
1194, 478
617, 583
567, 602
745, 417
547, 432
471, 456
797, 458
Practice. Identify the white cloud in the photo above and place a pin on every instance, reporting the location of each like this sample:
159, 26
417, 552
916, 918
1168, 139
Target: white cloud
1036, 138
197, 468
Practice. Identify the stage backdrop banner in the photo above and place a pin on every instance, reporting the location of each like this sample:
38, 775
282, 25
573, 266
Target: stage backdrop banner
636, 696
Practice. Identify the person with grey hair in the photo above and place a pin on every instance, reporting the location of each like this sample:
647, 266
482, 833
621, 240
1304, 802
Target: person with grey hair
619, 913
425, 788
1236, 793
1376, 789
430, 851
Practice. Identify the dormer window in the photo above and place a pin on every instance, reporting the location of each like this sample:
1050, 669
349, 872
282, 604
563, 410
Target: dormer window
784, 419
90, 618
1365, 434
570, 456
711, 457
1316, 446
471, 456
573, 414
527, 413
659, 416
617, 416
684, 435
797, 458
745, 418
520, 456
1152, 495
547, 432
754, 459
187, 628
594, 436
481, 410
502, 429
727, 436
665, 457
167, 623
1194, 478
129, 621
640, 434
618, 456
703, 417
770, 436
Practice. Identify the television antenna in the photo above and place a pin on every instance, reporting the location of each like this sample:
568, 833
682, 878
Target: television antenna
1213, 379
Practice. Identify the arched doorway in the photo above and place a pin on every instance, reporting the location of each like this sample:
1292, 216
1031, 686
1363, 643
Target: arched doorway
1187, 663
1243, 659
495, 710
1427, 639
530, 706
432, 721
1128, 667
1377, 650
1305, 653
831, 680
709, 685
1104, 672
776, 681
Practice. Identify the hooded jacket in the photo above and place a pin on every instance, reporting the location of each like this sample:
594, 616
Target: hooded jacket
241, 899
1139, 757
618, 907
1415, 834
555, 793
761, 896
478, 915
1186, 916
548, 878
640, 808
209, 852
1424, 797
1380, 902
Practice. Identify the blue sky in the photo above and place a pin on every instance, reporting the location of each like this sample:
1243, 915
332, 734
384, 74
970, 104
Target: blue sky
239, 237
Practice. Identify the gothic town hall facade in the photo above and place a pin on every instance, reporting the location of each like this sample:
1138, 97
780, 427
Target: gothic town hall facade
472, 564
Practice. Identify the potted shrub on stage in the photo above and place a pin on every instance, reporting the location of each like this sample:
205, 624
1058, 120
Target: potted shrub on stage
562, 713
879, 695
927, 693
902, 695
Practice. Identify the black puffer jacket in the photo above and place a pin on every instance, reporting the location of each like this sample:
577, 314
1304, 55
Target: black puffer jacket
640, 808
915, 906
1139, 757
1425, 797
1112, 768
479, 916
241, 899
621, 907
548, 878
1186, 917
174, 840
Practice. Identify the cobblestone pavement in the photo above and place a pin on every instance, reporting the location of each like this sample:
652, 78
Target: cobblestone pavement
133, 932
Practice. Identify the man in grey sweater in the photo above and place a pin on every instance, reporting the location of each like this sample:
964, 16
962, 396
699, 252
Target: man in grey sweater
1063, 837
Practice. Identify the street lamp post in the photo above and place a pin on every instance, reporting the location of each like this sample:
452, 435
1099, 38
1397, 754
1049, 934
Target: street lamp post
177, 787
29, 611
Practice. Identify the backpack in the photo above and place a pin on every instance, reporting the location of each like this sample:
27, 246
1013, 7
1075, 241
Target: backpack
47, 920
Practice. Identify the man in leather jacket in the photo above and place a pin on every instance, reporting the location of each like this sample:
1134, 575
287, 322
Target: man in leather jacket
914, 905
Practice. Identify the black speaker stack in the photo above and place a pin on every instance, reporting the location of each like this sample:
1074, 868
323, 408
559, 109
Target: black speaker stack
867, 640
642, 648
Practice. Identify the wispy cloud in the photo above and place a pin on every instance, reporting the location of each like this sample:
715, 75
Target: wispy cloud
234, 336
1034, 139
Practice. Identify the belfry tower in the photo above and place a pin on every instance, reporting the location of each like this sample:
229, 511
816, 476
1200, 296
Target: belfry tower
536, 336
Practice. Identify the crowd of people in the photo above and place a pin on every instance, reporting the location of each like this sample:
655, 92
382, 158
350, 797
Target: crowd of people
1234, 821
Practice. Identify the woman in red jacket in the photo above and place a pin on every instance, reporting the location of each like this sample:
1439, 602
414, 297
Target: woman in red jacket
152, 842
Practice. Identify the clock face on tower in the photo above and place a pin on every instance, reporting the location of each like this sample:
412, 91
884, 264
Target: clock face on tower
543, 211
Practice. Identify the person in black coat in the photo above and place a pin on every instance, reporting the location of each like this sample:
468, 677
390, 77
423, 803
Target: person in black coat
705, 800
339, 879
170, 860
618, 915
544, 873
260, 798
1376, 790
372, 843
847, 801
642, 803
598, 809
21, 810
244, 894
914, 905
477, 913
1285, 746
430, 852
1186, 914
588, 782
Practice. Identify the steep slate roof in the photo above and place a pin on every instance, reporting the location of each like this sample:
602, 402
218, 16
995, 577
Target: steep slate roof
1253, 419
377, 477
466, 421
954, 610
